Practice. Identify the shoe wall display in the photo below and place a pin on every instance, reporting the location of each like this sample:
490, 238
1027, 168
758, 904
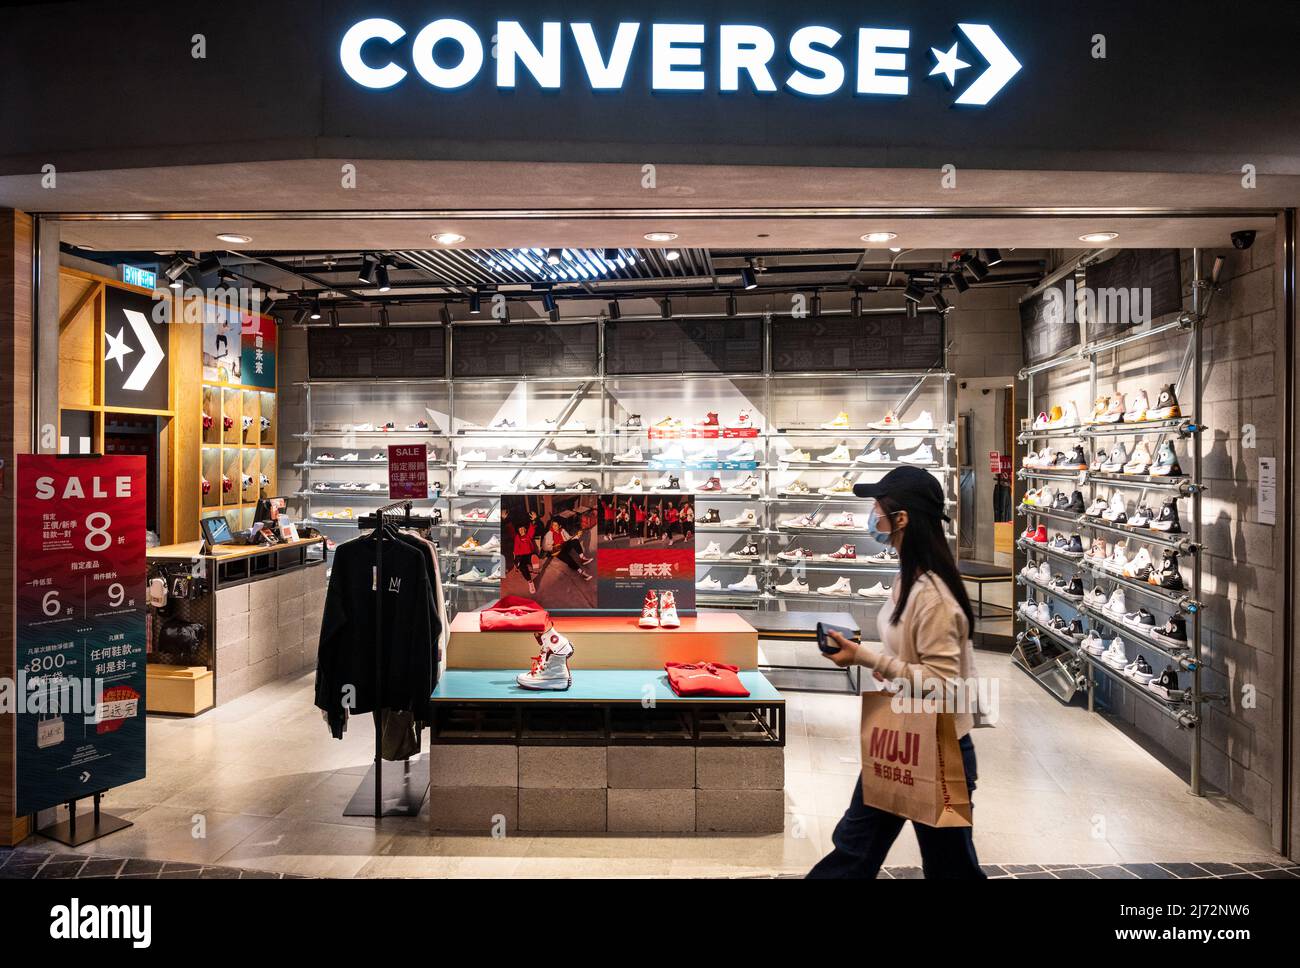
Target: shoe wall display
1136, 462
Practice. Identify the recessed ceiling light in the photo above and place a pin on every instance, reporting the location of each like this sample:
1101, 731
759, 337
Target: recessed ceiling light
234, 239
448, 238
661, 237
878, 237
672, 255
1099, 237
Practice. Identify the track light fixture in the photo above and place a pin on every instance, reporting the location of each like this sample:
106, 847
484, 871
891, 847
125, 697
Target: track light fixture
300, 315
855, 305
991, 256
381, 277
748, 280
940, 303
672, 255
611, 255
553, 257
732, 306
615, 310
913, 309
176, 268
666, 309
475, 303
915, 291
315, 309
977, 268
384, 319
366, 274
958, 280
444, 314
334, 317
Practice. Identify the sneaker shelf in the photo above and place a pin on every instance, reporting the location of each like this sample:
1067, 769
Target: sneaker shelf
1176, 601
1181, 426
1182, 656
1181, 483
1159, 539
1028, 473
1043, 628
1050, 513
1184, 712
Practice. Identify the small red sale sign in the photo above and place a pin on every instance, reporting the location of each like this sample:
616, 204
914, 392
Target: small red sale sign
408, 472
995, 462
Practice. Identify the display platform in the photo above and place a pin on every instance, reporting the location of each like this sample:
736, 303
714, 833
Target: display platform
592, 686
609, 642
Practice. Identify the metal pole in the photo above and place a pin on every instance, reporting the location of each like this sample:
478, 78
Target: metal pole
1197, 388
379, 666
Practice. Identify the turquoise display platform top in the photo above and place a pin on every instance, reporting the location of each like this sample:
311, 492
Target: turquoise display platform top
593, 686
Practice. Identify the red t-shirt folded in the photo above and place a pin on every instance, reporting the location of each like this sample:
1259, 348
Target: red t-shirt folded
514, 614
704, 679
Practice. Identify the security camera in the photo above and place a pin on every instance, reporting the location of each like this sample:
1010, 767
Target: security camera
1243, 240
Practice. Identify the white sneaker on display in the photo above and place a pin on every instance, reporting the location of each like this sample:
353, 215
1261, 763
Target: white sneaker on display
793, 587
707, 584
840, 455
923, 422
550, 669
746, 519
841, 587
668, 611
878, 590
747, 584
712, 553
922, 455
632, 456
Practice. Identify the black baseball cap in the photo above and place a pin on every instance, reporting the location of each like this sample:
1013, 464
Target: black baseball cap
910, 488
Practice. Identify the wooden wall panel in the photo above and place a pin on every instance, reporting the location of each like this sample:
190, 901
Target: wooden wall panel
16, 237
76, 341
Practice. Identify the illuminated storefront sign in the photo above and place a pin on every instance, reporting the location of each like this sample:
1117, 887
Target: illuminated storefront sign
451, 54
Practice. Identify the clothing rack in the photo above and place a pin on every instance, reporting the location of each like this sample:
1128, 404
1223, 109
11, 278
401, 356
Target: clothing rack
406, 796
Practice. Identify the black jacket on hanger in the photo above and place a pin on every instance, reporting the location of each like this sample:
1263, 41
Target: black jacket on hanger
345, 663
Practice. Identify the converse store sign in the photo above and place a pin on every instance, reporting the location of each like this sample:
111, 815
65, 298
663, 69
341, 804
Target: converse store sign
813, 61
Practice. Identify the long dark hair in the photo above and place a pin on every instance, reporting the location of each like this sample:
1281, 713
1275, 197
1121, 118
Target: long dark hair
925, 549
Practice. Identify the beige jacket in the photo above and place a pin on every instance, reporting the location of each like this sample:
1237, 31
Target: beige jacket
930, 645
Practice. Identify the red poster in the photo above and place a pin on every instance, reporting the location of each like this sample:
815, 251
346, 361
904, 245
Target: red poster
80, 624
408, 472
995, 462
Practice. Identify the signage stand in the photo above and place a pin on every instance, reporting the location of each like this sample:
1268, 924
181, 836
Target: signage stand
71, 834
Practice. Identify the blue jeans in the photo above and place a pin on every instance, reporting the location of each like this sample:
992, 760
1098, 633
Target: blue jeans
864, 835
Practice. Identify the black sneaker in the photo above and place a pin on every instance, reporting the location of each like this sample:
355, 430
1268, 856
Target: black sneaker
1075, 631
1143, 517
437, 515
1075, 588
1076, 503
1062, 503
1168, 521
1169, 576
1062, 461
1174, 631
1059, 624
711, 516
1168, 680
634, 422
1142, 670
1166, 407
1146, 622
1078, 459
1074, 547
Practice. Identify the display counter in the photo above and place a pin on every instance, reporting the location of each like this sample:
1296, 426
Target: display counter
619, 750
256, 612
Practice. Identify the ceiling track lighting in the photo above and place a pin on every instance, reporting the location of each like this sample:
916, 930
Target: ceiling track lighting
300, 316
176, 268
977, 268
914, 292
334, 317
384, 319
475, 303
958, 280
554, 257
913, 309
991, 256
748, 280
315, 309
732, 305
940, 303
366, 274
615, 310
666, 309
855, 305
381, 277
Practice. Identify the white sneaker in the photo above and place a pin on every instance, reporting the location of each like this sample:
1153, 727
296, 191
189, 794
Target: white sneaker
1118, 458
1097, 508
923, 422
1137, 411
747, 584
922, 455
802, 521
673, 453
840, 455
750, 485
1117, 606
492, 546
712, 553
1093, 643
708, 585
796, 457
840, 422
741, 455
793, 587
634, 486
473, 576
649, 612
550, 669
1069, 417
841, 522
1140, 463
361, 428
878, 590
1116, 511
632, 456
1115, 656
497, 573
840, 487
668, 611
744, 421
473, 456
746, 519
842, 586
874, 456
889, 421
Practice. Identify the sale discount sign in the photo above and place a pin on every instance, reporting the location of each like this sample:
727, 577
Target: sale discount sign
81, 627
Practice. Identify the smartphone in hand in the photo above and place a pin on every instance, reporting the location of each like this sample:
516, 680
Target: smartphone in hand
828, 645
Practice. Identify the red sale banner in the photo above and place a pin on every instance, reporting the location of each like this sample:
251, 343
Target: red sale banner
80, 622
408, 472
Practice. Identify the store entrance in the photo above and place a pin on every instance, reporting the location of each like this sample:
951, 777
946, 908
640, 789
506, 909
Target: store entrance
555, 417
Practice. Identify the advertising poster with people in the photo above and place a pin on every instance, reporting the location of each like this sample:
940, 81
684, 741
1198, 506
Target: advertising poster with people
647, 543
549, 543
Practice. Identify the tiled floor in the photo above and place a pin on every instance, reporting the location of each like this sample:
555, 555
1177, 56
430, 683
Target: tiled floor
259, 785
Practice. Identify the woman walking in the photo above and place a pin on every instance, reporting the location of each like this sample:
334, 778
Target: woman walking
925, 629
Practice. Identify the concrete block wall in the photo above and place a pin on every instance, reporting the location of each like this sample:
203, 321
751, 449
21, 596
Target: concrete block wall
264, 630
623, 789
1243, 556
